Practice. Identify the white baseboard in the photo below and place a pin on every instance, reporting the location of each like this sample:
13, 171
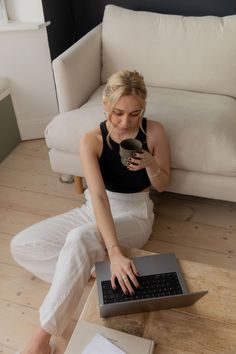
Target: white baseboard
33, 129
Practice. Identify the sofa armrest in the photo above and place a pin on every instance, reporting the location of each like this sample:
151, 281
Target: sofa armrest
77, 71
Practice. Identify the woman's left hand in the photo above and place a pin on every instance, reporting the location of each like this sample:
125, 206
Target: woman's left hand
124, 270
140, 160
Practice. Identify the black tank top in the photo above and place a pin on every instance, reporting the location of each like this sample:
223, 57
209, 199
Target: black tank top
117, 178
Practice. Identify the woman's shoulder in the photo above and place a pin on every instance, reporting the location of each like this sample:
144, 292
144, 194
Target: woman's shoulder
156, 134
91, 135
92, 139
154, 126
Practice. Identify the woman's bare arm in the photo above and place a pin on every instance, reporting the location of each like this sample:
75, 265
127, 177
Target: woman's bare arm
158, 169
157, 161
90, 148
89, 152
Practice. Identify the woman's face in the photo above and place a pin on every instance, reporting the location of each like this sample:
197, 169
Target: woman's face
125, 114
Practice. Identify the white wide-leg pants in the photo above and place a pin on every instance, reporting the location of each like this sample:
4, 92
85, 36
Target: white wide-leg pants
63, 249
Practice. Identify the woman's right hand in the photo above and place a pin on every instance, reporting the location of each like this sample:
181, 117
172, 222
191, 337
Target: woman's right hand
124, 270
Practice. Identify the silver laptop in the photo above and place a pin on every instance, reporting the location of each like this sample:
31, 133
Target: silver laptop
162, 287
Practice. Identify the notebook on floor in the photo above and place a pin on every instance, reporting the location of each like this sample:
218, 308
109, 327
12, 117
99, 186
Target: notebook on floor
162, 287
94, 338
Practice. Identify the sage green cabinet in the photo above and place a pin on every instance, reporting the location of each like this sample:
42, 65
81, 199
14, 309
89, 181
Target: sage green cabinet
9, 131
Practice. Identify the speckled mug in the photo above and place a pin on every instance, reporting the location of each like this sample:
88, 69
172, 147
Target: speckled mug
128, 148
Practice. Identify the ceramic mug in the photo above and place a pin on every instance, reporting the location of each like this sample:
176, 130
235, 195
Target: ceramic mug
128, 148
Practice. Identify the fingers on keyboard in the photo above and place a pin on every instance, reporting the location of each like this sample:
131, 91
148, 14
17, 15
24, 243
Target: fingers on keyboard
134, 280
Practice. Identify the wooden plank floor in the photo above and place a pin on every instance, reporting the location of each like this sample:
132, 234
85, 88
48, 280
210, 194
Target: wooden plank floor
198, 229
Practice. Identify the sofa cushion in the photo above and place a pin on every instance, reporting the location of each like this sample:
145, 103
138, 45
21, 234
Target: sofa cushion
66, 129
189, 53
201, 128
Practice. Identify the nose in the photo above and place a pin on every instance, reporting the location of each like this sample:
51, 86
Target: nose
125, 121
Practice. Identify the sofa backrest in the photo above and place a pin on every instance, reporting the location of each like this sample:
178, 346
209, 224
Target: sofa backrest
188, 53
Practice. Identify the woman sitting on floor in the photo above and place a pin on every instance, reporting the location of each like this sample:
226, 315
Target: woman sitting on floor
117, 212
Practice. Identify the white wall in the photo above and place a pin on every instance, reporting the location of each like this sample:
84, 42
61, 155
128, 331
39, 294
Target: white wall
25, 60
25, 10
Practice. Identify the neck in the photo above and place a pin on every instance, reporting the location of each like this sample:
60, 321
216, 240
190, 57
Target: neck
115, 136
119, 137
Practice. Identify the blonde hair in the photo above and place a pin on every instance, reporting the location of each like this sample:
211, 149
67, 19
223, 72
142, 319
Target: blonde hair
124, 83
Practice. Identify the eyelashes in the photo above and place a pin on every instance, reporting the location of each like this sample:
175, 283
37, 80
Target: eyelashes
120, 114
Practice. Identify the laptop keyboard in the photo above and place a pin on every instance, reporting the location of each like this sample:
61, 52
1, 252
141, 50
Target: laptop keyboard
152, 286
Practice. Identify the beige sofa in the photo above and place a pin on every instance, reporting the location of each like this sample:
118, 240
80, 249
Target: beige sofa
189, 65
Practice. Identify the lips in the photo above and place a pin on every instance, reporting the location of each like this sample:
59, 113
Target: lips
122, 130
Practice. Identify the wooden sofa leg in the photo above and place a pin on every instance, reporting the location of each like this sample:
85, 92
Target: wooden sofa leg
78, 184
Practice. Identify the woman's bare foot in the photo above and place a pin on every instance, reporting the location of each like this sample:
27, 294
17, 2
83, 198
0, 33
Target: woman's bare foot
39, 343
